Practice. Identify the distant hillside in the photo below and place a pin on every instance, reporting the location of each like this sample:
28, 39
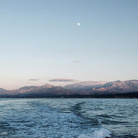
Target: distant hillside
118, 86
83, 88
85, 85
3, 91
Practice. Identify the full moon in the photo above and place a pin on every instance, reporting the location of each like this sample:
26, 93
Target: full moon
78, 23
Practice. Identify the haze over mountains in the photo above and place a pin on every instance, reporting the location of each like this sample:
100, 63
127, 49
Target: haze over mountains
99, 86
81, 88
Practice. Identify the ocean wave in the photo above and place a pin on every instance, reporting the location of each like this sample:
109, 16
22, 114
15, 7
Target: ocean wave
98, 133
67, 118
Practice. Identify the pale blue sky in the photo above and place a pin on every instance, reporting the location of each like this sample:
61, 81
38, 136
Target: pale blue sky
40, 40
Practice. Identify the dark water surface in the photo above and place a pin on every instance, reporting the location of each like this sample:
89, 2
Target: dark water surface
68, 118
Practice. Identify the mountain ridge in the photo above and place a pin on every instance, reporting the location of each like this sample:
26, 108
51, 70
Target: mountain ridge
81, 88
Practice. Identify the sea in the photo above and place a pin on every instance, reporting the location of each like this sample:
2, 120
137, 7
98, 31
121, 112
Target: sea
68, 118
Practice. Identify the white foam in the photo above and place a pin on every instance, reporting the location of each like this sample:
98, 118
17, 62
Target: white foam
85, 136
98, 133
102, 133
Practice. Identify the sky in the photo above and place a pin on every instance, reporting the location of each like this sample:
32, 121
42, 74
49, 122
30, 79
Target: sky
67, 41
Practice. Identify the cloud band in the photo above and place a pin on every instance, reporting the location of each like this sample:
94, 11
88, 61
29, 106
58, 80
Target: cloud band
62, 80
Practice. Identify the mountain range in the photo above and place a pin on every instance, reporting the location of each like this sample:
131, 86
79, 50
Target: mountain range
86, 88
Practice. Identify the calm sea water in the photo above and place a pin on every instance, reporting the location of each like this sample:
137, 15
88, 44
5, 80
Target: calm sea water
68, 118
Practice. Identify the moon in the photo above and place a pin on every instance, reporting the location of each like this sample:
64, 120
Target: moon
78, 23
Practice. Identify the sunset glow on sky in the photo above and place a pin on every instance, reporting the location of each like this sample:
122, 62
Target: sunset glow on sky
69, 41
